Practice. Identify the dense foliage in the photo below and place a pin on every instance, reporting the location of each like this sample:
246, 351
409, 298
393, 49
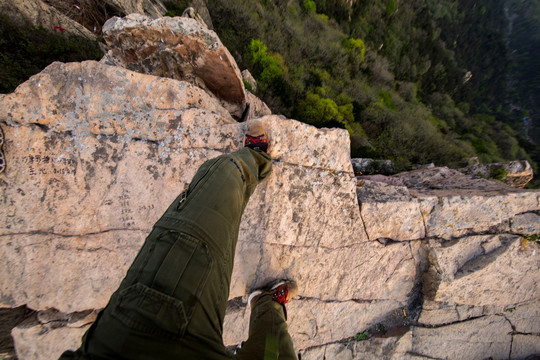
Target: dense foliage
25, 50
415, 81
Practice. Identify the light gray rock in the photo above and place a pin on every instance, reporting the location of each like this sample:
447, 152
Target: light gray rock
246, 75
389, 211
528, 224
388, 347
84, 270
525, 318
454, 216
480, 271
440, 313
489, 336
41, 342
524, 346
441, 203
257, 107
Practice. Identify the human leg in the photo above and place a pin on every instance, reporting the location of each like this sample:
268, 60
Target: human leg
172, 301
269, 337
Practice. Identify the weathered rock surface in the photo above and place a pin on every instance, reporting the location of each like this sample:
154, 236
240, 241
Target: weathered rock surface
257, 107
480, 338
480, 271
153, 8
390, 211
179, 48
528, 224
95, 153
441, 202
41, 14
79, 165
515, 173
39, 342
246, 75
55, 331
200, 10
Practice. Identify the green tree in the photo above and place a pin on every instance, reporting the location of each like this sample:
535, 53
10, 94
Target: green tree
355, 47
310, 6
266, 67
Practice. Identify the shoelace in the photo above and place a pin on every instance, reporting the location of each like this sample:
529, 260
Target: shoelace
255, 142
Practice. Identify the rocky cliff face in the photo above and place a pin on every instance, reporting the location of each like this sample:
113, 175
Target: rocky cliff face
429, 264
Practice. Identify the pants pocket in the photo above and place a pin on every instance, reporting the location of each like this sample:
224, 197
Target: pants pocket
165, 306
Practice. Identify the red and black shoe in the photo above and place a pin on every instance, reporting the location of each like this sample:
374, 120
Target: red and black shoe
256, 138
282, 292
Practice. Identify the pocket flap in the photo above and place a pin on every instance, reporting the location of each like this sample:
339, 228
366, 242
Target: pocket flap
149, 310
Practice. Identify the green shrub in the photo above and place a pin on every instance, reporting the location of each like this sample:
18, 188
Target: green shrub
317, 110
265, 66
309, 6
385, 99
247, 85
355, 47
362, 336
391, 7
498, 173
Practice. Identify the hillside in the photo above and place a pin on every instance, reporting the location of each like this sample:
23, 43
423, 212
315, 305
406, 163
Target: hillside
416, 81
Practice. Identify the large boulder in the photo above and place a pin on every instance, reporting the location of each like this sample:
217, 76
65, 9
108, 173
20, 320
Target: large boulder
179, 48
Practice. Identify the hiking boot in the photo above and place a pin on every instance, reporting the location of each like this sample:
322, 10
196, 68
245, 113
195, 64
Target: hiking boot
282, 292
256, 138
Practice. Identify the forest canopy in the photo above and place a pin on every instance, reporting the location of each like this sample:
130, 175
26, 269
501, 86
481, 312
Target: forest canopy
414, 81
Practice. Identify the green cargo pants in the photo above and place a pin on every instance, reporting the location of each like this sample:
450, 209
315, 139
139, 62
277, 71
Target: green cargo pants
172, 302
